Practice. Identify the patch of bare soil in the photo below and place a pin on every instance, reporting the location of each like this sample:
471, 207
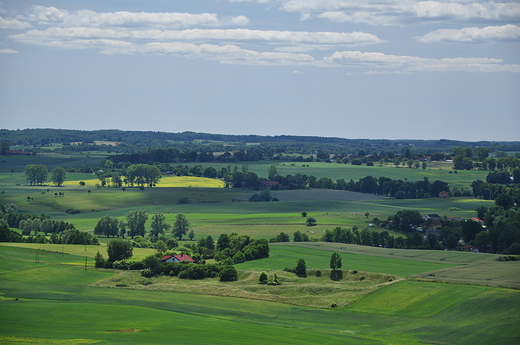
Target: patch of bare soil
318, 195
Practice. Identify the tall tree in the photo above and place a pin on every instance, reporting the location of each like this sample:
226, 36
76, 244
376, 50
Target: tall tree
335, 261
159, 226
135, 220
301, 267
58, 175
272, 171
181, 226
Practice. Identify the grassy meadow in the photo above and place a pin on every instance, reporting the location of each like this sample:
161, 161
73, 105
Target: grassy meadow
383, 296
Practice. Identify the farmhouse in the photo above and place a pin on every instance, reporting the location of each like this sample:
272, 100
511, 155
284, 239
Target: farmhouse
270, 184
177, 258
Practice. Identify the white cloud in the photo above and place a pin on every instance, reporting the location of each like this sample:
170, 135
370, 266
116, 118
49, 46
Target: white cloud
392, 12
418, 64
472, 35
235, 35
53, 15
8, 51
13, 24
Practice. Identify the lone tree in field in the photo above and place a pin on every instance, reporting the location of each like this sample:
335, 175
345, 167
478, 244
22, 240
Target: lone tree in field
58, 175
119, 249
335, 261
311, 221
301, 268
181, 226
304, 214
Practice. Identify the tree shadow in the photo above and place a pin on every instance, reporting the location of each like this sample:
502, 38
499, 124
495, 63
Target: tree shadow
336, 275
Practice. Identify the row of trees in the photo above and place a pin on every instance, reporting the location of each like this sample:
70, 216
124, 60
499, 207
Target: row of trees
135, 225
37, 174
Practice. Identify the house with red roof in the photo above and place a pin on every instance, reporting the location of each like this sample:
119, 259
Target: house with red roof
177, 258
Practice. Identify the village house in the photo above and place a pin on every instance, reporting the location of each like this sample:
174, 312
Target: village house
177, 258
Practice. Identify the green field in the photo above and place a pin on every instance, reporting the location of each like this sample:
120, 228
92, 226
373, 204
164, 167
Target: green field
383, 296
77, 310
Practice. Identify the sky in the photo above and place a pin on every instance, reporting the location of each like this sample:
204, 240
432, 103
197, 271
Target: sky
379, 69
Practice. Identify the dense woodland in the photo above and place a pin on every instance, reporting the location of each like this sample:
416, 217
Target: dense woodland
138, 141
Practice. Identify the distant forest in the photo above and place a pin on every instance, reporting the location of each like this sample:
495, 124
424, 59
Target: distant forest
137, 141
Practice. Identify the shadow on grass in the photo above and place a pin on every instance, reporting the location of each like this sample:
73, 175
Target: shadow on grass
336, 275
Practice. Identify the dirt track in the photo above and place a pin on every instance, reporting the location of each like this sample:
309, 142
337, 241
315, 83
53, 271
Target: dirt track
318, 194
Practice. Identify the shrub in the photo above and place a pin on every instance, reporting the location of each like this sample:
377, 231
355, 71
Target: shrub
120, 265
147, 273
72, 211
263, 278
228, 274
136, 265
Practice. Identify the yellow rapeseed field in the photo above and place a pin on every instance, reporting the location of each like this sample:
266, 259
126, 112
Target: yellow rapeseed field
167, 181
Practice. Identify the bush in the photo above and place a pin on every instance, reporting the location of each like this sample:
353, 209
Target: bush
72, 211
228, 274
136, 265
263, 278
120, 265
147, 273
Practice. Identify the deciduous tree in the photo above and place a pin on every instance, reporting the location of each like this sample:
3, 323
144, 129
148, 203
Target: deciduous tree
58, 175
159, 226
119, 249
181, 226
335, 261
135, 220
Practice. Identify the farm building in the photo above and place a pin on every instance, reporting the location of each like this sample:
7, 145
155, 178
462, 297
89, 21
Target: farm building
177, 258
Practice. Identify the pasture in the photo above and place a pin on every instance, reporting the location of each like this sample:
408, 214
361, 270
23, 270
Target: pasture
384, 296
85, 307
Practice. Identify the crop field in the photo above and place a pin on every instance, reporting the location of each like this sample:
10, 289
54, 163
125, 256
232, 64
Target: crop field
166, 181
85, 307
52, 294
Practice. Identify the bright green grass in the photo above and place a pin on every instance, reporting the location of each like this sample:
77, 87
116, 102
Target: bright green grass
63, 253
121, 324
411, 299
281, 256
60, 295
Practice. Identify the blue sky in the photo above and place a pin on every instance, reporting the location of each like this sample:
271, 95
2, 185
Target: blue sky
390, 69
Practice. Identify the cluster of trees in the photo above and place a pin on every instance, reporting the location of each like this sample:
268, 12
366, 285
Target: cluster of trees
37, 174
505, 196
131, 175
135, 225
371, 185
502, 231
234, 248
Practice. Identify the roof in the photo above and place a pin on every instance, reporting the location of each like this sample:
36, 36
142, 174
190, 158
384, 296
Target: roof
183, 257
271, 183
